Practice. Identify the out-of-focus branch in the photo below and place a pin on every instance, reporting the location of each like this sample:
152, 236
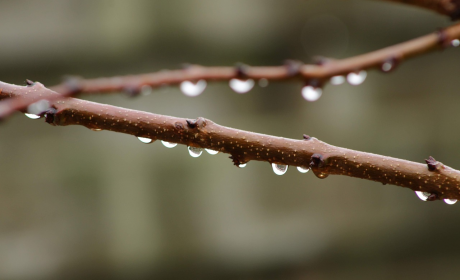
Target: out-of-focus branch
435, 178
449, 8
385, 59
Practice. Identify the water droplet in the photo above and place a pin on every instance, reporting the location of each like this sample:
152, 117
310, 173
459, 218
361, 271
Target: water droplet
145, 140
32, 116
212, 152
38, 107
241, 86
337, 80
146, 90
455, 43
356, 78
311, 94
303, 170
450, 201
387, 66
279, 169
168, 144
191, 89
263, 82
96, 129
195, 152
243, 165
322, 175
422, 195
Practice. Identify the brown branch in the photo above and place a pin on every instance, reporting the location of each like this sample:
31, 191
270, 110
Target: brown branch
449, 8
435, 178
317, 75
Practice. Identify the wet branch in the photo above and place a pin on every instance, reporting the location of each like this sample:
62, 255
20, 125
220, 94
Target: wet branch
385, 59
435, 178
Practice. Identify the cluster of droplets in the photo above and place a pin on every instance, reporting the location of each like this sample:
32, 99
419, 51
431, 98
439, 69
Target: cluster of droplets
238, 85
424, 196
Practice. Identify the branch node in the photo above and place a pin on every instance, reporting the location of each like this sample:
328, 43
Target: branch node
442, 38
293, 67
49, 115
191, 123
241, 70
316, 161
179, 126
306, 137
433, 165
132, 91
432, 197
73, 84
30, 83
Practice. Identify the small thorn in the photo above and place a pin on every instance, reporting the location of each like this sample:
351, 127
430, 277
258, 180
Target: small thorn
306, 137
191, 123
29, 83
293, 67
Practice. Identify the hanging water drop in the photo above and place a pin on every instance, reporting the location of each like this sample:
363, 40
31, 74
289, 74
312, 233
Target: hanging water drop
337, 80
146, 90
303, 170
96, 129
387, 66
241, 86
191, 89
243, 165
450, 201
212, 152
38, 107
311, 94
145, 140
168, 144
423, 195
32, 116
356, 78
455, 43
195, 152
279, 169
263, 82
321, 175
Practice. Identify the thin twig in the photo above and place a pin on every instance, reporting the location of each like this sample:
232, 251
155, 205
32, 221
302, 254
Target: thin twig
243, 146
315, 74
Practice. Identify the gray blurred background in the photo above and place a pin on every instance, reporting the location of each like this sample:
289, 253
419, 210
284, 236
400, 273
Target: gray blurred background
78, 204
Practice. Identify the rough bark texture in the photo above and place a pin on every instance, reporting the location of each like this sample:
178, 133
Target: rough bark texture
243, 146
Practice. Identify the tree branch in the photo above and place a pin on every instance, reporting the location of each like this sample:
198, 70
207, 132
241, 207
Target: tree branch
435, 178
316, 75
449, 8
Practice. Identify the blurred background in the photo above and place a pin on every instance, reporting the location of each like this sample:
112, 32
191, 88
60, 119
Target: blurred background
78, 204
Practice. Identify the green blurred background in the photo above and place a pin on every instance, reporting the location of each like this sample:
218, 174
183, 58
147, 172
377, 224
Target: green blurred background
78, 204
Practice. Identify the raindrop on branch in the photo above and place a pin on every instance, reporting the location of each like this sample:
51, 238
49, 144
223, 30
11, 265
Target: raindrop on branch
38, 107
240, 86
422, 195
168, 144
263, 82
243, 165
191, 89
96, 129
195, 152
279, 169
212, 152
356, 78
455, 43
337, 80
311, 94
303, 170
145, 140
32, 116
450, 201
